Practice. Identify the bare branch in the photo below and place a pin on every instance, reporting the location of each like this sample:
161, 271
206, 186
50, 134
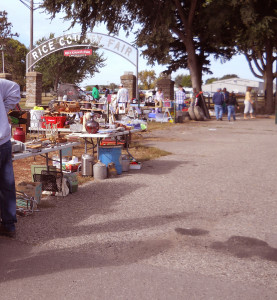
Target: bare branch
251, 67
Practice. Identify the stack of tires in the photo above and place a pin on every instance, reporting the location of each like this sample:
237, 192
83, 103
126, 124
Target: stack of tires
196, 113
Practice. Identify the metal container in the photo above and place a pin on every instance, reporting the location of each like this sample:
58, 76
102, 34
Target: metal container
100, 171
87, 165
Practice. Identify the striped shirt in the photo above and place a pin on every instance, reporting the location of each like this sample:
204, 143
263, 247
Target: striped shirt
180, 96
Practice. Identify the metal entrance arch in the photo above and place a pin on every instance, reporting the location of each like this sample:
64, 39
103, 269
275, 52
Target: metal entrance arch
91, 39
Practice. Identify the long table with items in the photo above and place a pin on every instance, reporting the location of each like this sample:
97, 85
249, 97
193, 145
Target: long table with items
44, 151
108, 134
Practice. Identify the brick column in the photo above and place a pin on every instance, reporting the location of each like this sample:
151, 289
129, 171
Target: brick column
129, 82
7, 76
167, 85
33, 89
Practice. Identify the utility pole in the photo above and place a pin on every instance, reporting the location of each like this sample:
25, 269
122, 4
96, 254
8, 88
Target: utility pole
3, 58
31, 30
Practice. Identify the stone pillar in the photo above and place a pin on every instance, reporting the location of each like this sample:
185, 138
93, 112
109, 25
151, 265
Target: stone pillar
33, 89
167, 85
129, 82
7, 76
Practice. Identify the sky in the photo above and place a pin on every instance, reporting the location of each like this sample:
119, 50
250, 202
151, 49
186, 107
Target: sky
19, 17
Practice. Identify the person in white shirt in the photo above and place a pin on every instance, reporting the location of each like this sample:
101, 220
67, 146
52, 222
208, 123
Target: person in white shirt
122, 97
9, 97
159, 98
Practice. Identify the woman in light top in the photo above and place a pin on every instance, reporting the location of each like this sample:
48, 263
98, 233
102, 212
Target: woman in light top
248, 104
159, 98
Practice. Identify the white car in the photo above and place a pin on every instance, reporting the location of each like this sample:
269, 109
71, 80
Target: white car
149, 95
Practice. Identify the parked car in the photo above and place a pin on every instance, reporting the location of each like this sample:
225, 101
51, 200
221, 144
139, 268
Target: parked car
149, 96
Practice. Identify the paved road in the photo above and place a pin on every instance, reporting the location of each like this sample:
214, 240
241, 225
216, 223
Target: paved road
197, 224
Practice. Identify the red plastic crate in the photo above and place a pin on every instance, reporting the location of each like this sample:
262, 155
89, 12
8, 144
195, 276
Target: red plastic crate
59, 120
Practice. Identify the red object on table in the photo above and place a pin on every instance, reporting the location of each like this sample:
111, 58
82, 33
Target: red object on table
19, 134
59, 120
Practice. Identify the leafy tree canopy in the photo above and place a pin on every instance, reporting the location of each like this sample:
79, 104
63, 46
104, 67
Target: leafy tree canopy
172, 32
5, 28
183, 80
147, 79
57, 68
15, 60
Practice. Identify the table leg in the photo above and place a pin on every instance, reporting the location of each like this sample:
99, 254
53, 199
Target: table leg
61, 161
47, 161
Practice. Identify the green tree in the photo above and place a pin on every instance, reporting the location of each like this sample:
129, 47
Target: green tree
15, 60
211, 80
184, 80
147, 79
253, 29
171, 32
5, 28
57, 68
228, 76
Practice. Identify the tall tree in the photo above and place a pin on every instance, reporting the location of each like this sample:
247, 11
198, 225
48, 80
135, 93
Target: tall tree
184, 80
56, 68
147, 79
253, 29
172, 30
5, 28
5, 34
15, 60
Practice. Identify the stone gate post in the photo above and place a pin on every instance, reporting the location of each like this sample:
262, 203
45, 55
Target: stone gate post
33, 89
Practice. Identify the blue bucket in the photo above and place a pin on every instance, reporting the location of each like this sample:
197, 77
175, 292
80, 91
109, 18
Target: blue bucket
109, 155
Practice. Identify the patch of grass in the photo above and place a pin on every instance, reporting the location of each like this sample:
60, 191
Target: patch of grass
44, 101
144, 153
159, 126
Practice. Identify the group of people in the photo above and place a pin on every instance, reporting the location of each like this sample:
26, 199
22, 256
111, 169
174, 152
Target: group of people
180, 97
222, 99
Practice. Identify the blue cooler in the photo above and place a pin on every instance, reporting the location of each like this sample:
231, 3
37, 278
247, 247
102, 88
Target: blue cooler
108, 154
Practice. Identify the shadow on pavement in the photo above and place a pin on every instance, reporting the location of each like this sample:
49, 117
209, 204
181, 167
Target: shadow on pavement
191, 231
245, 247
20, 262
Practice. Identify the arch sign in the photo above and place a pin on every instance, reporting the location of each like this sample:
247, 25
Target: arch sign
92, 39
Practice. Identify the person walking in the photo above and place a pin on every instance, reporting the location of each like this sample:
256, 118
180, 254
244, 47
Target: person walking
231, 103
95, 93
9, 97
248, 104
122, 97
159, 98
218, 100
226, 96
180, 97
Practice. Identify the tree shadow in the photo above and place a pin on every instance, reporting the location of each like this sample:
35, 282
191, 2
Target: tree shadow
19, 261
191, 231
245, 247
160, 167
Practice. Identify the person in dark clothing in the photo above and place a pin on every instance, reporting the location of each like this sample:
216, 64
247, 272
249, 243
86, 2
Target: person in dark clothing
231, 102
226, 96
218, 100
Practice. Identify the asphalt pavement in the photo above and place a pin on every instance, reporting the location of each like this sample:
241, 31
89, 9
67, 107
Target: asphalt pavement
199, 223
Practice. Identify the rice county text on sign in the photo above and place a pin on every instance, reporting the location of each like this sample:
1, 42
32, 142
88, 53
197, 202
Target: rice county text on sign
91, 39
77, 52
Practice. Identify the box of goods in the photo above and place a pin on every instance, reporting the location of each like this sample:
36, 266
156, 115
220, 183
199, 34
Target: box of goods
56, 162
151, 115
71, 181
135, 165
59, 121
166, 103
31, 189
70, 167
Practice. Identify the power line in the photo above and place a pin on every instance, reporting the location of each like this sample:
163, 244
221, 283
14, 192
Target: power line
25, 4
